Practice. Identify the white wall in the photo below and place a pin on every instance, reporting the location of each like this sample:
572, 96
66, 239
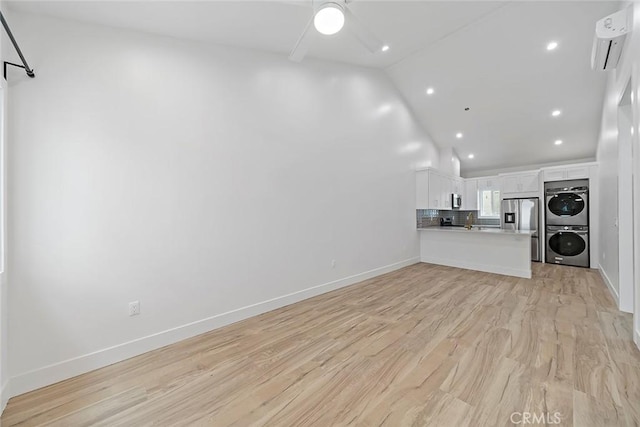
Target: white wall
449, 161
609, 157
196, 179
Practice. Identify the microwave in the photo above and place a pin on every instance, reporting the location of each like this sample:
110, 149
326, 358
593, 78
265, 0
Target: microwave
456, 201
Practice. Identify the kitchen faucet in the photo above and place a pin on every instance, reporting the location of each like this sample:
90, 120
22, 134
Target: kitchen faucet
469, 222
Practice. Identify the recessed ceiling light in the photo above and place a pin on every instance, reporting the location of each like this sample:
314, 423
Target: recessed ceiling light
471, 156
459, 135
556, 113
430, 91
385, 48
558, 142
552, 45
329, 20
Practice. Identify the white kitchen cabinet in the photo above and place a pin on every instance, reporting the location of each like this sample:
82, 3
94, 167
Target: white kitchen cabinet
429, 190
422, 189
526, 183
458, 186
554, 175
578, 173
470, 195
530, 182
561, 174
489, 183
510, 184
446, 188
434, 189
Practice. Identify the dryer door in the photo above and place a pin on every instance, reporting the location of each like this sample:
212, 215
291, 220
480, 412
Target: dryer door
567, 208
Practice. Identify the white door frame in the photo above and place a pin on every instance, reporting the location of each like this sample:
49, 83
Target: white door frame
635, 143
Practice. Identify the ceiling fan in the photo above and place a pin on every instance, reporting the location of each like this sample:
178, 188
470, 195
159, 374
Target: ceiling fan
328, 18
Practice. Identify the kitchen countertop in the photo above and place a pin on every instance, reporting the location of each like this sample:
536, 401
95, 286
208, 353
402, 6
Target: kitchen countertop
475, 229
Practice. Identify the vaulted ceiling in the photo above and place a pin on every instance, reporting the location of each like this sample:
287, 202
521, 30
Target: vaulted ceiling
488, 56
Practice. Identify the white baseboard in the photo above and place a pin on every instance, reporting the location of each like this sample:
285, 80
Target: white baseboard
4, 396
607, 281
56, 372
478, 267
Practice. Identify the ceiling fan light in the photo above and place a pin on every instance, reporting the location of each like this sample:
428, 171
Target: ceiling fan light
329, 19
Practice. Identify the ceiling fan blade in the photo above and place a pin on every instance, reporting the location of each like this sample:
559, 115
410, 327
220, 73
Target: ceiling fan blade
302, 45
362, 33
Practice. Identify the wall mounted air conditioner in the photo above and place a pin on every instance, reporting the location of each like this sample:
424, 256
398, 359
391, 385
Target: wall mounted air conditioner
608, 42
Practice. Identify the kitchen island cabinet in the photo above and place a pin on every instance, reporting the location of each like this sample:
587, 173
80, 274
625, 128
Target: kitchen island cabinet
491, 250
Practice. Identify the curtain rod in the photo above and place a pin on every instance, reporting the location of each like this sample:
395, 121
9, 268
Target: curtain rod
24, 65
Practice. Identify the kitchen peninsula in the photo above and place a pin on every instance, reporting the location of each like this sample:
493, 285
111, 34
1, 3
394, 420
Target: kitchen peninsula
493, 250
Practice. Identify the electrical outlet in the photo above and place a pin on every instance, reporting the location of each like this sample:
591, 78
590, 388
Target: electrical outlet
134, 308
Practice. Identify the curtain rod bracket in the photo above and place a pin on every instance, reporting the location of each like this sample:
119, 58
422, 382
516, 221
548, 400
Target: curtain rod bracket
30, 73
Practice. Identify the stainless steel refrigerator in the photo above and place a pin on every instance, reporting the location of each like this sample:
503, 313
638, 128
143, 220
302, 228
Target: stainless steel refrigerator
523, 214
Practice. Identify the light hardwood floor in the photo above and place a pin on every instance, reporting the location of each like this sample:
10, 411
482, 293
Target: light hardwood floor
426, 345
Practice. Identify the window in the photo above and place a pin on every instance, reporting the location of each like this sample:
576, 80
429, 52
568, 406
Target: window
489, 203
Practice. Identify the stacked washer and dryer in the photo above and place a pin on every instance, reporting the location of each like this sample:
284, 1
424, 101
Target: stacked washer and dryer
567, 222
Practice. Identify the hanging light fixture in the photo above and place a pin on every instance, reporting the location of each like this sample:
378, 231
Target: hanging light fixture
329, 18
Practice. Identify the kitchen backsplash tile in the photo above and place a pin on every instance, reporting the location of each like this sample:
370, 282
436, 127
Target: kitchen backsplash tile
427, 217
431, 217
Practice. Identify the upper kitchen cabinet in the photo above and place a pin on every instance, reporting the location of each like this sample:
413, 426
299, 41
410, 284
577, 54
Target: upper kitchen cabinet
489, 183
446, 189
566, 172
457, 186
470, 195
520, 184
434, 189
422, 189
429, 188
